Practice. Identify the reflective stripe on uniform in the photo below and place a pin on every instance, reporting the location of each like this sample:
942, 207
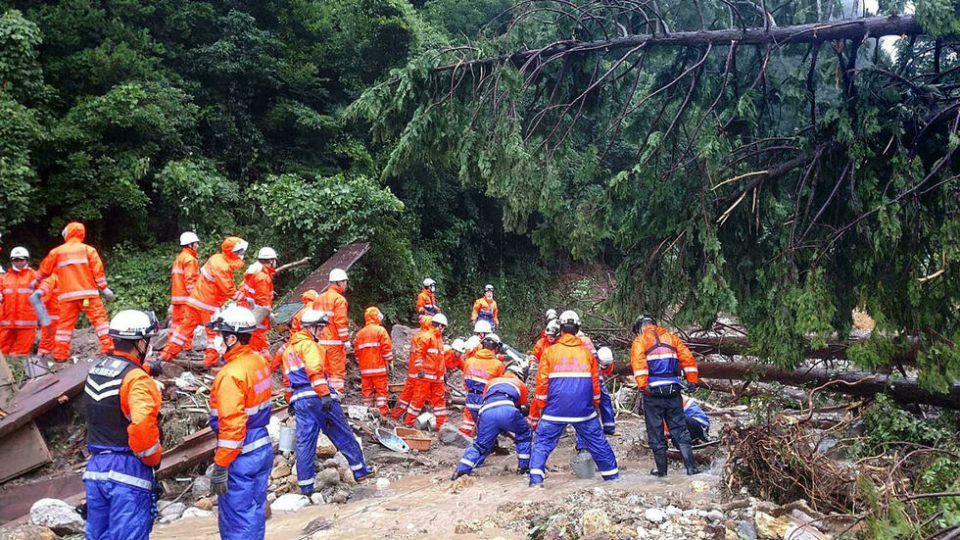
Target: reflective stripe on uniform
500, 403
75, 294
570, 375
115, 476
373, 371
198, 304
148, 451
225, 443
69, 262
259, 443
568, 419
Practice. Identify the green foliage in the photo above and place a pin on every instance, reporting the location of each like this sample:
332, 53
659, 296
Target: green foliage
939, 17
203, 197
885, 423
134, 273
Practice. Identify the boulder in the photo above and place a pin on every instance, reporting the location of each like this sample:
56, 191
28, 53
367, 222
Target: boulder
316, 498
451, 436
201, 487
205, 503
746, 531
325, 448
174, 510
328, 477
769, 527
280, 471
596, 522
290, 502
28, 532
714, 515
273, 429
346, 475
195, 513
654, 515
57, 516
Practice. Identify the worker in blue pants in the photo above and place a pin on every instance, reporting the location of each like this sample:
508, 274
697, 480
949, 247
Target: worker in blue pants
608, 417
500, 412
315, 404
568, 393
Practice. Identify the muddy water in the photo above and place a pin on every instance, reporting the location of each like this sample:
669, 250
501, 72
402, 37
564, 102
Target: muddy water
421, 506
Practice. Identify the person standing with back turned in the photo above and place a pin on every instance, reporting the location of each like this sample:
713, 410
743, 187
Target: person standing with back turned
335, 333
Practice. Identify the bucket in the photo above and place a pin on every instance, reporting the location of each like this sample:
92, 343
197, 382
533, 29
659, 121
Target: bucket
583, 465
288, 439
35, 367
427, 422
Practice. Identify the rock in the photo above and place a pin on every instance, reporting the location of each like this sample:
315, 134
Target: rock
292, 481
641, 532
271, 497
325, 448
201, 487
161, 505
654, 515
328, 477
273, 429
673, 511
204, 504
714, 515
28, 532
595, 522
769, 527
56, 515
800, 533
461, 484
339, 498
316, 498
319, 524
330, 464
346, 475
279, 460
280, 471
290, 502
195, 513
746, 530
175, 510
699, 486
168, 519
451, 436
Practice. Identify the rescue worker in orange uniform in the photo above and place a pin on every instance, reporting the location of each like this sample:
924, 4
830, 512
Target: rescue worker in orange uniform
455, 355
183, 279
430, 387
214, 287
315, 404
18, 319
485, 308
239, 414
568, 393
660, 360
47, 293
308, 298
123, 434
548, 337
375, 357
80, 279
335, 335
427, 300
258, 294
414, 366
479, 369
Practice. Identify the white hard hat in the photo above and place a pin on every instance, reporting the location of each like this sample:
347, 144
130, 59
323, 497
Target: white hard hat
440, 318
605, 356
266, 254
133, 324
553, 328
188, 238
482, 327
429, 282
19, 252
338, 274
459, 345
569, 317
241, 245
472, 343
235, 320
488, 287
492, 341
314, 317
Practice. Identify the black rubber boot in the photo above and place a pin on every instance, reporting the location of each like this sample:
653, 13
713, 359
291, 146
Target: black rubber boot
660, 460
687, 453
456, 474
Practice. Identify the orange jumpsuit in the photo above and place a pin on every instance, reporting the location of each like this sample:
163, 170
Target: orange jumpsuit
414, 365
214, 287
374, 354
49, 290
427, 303
18, 319
480, 369
308, 298
334, 335
183, 279
431, 389
652, 354
258, 292
80, 278
487, 310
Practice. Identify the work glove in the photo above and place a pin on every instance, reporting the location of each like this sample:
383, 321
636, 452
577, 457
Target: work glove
154, 368
691, 387
421, 374
218, 480
326, 403
108, 295
524, 410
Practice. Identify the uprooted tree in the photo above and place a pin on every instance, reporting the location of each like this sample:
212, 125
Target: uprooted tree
786, 161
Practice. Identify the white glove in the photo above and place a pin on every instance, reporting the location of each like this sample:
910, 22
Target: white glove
108, 295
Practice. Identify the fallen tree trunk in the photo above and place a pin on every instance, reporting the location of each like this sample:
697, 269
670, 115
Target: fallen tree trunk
854, 383
835, 349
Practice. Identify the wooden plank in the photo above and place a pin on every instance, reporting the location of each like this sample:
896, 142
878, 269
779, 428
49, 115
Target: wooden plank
42, 394
318, 280
15, 502
25, 449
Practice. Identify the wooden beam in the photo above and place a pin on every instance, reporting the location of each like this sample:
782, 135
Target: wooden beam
42, 394
25, 449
